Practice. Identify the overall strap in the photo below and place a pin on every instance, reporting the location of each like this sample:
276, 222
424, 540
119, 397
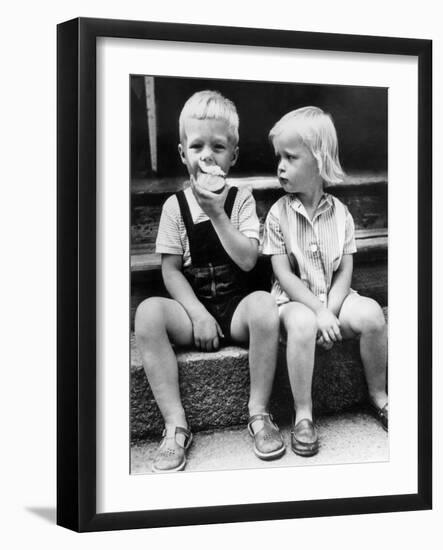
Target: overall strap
185, 212
340, 214
230, 199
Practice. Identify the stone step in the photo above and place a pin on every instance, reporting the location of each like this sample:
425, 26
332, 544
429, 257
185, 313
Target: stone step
214, 387
158, 189
364, 194
371, 244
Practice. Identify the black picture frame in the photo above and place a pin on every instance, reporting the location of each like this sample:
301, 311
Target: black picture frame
76, 279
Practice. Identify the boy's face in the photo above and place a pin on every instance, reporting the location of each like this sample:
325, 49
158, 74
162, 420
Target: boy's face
297, 168
208, 141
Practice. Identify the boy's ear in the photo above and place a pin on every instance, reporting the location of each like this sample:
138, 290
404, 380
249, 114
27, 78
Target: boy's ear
181, 152
234, 156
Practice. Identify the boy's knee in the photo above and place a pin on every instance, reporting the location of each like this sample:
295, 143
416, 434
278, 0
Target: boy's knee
371, 317
263, 311
149, 318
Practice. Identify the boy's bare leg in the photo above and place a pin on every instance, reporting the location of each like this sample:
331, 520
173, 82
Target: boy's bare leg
301, 329
363, 317
159, 322
256, 321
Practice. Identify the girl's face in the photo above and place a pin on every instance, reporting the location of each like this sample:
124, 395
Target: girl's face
208, 141
297, 168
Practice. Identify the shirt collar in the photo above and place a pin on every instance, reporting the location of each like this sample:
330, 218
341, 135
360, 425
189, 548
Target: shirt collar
324, 204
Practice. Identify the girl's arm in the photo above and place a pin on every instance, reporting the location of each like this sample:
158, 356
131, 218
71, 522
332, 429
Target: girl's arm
341, 284
240, 248
292, 285
328, 324
206, 329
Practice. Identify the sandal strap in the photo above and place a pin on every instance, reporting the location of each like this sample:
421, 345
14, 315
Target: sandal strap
264, 417
178, 430
187, 433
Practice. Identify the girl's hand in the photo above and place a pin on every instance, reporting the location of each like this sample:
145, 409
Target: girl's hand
207, 332
212, 204
328, 326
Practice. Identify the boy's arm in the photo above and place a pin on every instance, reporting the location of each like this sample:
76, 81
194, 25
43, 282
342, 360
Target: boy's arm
328, 324
206, 329
341, 284
240, 248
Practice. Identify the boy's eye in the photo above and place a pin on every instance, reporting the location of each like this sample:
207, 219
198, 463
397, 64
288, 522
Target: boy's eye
219, 147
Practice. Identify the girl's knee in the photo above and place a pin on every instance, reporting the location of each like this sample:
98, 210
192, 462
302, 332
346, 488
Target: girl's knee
301, 324
371, 316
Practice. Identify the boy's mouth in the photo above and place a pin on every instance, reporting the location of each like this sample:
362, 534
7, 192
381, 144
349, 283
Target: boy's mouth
212, 169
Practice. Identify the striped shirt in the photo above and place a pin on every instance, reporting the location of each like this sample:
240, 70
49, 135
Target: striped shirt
172, 237
317, 246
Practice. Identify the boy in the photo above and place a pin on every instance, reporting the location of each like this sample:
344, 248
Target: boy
208, 237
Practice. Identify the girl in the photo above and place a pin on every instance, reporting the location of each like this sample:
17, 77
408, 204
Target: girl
310, 236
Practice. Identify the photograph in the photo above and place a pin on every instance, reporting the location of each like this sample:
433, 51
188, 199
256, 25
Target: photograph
259, 274
241, 215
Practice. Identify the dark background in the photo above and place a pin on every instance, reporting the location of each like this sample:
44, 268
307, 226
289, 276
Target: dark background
359, 114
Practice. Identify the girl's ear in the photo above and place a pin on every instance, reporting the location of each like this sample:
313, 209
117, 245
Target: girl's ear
234, 156
181, 152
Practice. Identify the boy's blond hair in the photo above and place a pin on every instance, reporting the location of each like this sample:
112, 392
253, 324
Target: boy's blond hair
210, 104
317, 131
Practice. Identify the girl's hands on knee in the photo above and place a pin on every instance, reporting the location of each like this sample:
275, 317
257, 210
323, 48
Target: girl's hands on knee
328, 328
207, 333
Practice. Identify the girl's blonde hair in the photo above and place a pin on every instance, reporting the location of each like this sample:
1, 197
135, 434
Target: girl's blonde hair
210, 104
317, 131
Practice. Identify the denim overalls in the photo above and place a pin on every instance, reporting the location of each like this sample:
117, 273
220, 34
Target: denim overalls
216, 280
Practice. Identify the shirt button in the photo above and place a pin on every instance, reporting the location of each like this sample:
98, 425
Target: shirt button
314, 248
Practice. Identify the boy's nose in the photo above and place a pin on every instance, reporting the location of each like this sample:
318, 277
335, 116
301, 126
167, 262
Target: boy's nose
206, 157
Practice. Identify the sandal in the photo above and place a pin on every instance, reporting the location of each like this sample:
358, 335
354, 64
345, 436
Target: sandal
304, 438
268, 442
381, 414
171, 456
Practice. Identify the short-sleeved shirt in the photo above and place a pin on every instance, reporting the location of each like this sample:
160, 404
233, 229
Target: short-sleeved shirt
318, 254
172, 237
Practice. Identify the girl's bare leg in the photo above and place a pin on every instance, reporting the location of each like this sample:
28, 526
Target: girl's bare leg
362, 317
300, 326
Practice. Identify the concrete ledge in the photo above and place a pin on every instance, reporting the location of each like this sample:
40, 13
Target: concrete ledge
142, 187
371, 244
215, 386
